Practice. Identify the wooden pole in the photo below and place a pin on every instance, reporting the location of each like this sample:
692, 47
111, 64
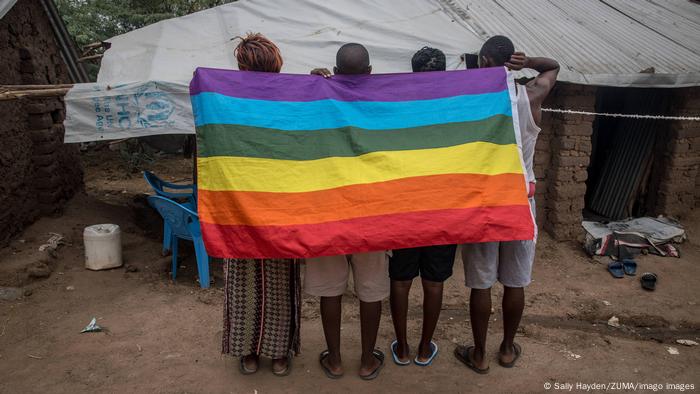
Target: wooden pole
18, 94
93, 57
34, 87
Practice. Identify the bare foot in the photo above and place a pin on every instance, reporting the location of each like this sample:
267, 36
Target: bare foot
335, 366
280, 365
403, 352
424, 352
367, 369
250, 362
508, 354
480, 361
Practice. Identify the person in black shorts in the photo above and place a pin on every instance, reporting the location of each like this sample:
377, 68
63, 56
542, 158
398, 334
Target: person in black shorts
433, 263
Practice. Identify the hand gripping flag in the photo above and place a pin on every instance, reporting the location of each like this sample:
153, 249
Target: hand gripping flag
293, 166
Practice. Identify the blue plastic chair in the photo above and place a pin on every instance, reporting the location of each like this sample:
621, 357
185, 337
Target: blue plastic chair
183, 224
159, 187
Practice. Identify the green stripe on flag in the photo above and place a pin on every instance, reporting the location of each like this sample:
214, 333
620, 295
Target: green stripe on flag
247, 141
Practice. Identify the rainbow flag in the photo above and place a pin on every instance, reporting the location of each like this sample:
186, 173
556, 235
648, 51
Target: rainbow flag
294, 166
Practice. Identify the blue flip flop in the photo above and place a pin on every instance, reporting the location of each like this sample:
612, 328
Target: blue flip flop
395, 357
433, 346
629, 266
616, 269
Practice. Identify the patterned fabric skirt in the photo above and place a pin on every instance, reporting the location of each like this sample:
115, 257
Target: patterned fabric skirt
262, 307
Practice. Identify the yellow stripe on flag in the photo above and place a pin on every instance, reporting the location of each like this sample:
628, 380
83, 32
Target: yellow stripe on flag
269, 175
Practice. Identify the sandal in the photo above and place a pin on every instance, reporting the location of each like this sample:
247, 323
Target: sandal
379, 355
243, 369
434, 354
324, 354
398, 362
616, 269
287, 370
629, 266
462, 354
517, 350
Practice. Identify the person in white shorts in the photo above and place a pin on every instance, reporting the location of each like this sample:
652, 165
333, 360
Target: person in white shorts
327, 277
507, 262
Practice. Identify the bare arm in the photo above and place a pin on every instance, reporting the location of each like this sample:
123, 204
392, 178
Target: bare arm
538, 88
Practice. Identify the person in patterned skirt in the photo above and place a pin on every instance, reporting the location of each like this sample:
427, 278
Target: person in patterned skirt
261, 297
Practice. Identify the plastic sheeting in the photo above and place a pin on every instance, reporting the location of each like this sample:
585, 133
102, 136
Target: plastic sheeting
308, 33
5, 6
594, 42
99, 111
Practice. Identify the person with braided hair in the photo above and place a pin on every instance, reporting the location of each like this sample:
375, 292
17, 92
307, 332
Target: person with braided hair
261, 297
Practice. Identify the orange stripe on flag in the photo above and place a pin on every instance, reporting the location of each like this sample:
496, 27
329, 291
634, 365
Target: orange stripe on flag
433, 192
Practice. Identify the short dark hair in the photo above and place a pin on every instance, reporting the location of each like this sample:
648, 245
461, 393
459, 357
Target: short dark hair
499, 49
428, 59
352, 58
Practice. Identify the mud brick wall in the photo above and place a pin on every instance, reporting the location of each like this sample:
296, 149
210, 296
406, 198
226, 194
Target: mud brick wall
679, 181
38, 173
562, 155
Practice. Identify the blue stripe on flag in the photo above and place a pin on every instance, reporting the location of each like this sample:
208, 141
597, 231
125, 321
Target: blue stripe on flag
215, 108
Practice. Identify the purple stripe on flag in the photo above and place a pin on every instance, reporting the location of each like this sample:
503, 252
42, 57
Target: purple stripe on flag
378, 87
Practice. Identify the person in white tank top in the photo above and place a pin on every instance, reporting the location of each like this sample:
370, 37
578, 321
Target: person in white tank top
507, 262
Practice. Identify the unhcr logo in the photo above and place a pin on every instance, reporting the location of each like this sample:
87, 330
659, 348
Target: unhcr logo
154, 107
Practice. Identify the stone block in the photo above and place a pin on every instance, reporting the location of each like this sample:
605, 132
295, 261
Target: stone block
583, 129
560, 160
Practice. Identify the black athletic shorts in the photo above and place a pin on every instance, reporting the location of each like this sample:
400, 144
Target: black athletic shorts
434, 263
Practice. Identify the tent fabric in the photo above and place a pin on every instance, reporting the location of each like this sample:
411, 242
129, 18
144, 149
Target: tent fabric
613, 43
6, 6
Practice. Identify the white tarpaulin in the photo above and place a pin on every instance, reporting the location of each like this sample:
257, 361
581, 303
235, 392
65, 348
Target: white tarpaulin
308, 33
611, 42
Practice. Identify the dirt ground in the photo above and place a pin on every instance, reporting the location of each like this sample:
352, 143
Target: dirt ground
164, 336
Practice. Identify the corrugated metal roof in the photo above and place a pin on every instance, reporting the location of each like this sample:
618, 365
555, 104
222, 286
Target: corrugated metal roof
598, 42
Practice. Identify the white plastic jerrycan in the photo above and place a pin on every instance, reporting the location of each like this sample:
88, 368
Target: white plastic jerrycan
103, 246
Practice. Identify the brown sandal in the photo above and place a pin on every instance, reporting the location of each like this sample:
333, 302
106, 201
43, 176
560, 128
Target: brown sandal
462, 354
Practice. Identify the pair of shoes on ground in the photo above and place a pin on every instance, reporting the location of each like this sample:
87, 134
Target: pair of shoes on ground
463, 354
428, 362
618, 269
378, 354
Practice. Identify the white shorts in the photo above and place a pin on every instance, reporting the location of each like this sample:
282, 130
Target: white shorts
328, 276
507, 262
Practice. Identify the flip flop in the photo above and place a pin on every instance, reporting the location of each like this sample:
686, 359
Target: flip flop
243, 369
287, 370
380, 356
649, 281
629, 266
398, 362
462, 354
517, 350
434, 346
616, 269
327, 371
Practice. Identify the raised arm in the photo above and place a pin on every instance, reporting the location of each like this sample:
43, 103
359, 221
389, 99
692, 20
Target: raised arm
538, 88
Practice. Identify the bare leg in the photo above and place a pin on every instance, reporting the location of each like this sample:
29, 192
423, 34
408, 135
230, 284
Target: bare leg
370, 315
480, 312
513, 305
330, 316
432, 304
399, 311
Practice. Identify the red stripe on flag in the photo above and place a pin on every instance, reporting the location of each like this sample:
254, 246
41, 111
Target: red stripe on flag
395, 231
